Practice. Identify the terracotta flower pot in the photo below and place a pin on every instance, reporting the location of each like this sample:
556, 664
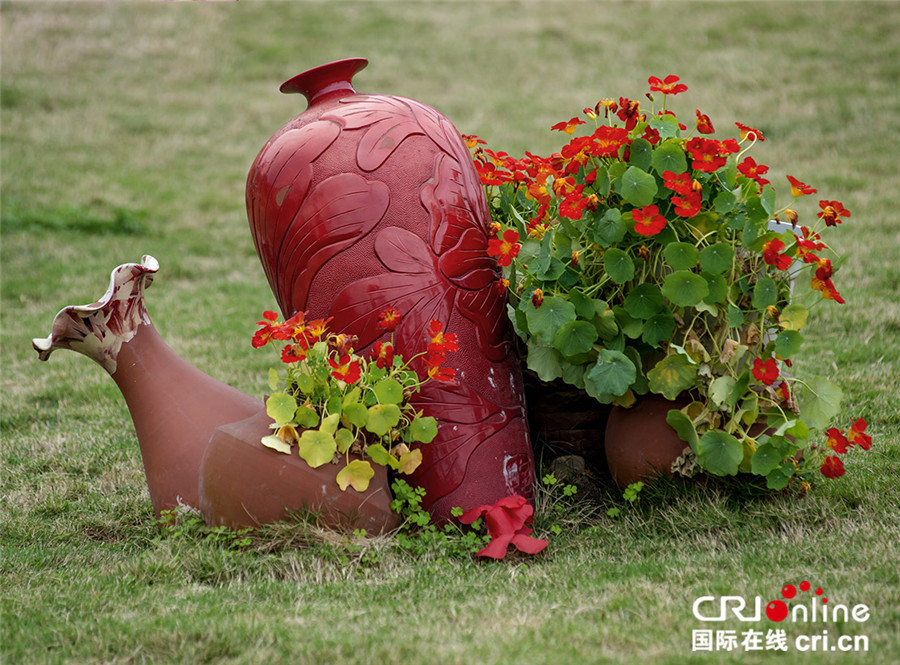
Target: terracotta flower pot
640, 444
245, 484
365, 202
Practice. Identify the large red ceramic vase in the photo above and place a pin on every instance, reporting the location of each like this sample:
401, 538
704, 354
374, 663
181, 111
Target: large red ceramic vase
365, 202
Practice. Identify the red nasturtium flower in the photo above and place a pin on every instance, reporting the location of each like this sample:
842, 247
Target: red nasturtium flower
821, 281
629, 112
857, 434
608, 140
754, 171
800, 188
383, 354
505, 522
537, 298
505, 248
441, 342
679, 183
706, 154
345, 369
389, 319
648, 221
704, 124
832, 467
836, 441
832, 211
749, 132
267, 331
668, 86
773, 256
567, 126
687, 205
433, 361
765, 371
471, 140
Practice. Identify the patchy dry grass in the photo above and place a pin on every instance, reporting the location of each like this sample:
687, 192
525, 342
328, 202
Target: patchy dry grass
128, 128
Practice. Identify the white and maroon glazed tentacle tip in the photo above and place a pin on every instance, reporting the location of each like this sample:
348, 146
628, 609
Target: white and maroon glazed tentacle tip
100, 329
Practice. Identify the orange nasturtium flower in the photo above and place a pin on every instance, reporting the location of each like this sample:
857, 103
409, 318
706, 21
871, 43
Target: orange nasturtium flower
832, 211
537, 298
668, 86
773, 256
345, 369
505, 248
389, 319
799, 188
567, 126
441, 342
750, 132
648, 221
837, 441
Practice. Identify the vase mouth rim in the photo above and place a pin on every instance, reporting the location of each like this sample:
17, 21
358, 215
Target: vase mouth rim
325, 79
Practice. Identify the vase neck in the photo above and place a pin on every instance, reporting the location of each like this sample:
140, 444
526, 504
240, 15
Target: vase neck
326, 81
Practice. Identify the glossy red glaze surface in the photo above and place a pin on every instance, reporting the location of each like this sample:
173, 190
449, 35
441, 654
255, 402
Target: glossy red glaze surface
365, 202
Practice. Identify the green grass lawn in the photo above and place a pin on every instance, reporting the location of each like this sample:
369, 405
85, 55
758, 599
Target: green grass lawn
128, 129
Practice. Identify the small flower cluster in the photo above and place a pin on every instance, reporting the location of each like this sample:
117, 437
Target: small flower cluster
329, 403
649, 256
840, 441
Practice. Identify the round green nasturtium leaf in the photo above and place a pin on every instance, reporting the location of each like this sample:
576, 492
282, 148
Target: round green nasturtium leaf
356, 474
720, 453
306, 384
788, 343
641, 154
618, 265
344, 439
718, 288
610, 376
606, 324
584, 305
779, 478
357, 414
543, 361
306, 417
766, 459
388, 391
765, 293
630, 326
819, 401
685, 289
330, 423
423, 429
716, 258
683, 426
793, 317
608, 228
382, 417
724, 202
658, 328
380, 455
553, 271
637, 187
547, 319
281, 407
575, 337
273, 379
735, 317
672, 375
644, 301
681, 255
316, 447
721, 388
669, 156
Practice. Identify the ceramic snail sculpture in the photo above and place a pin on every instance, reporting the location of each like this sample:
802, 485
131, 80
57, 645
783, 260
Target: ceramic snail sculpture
360, 203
